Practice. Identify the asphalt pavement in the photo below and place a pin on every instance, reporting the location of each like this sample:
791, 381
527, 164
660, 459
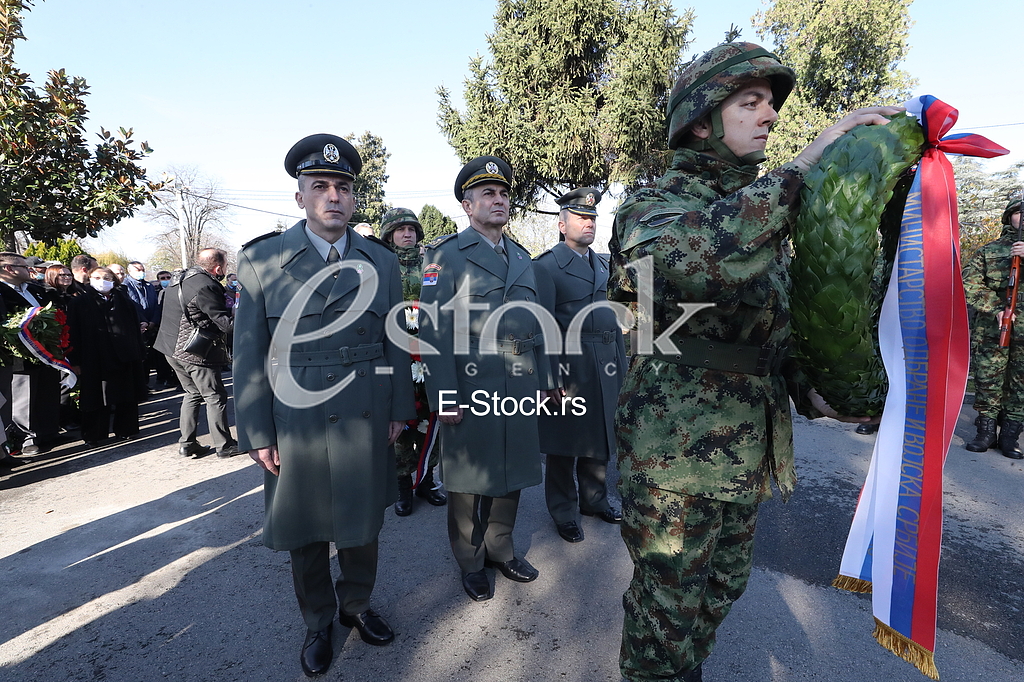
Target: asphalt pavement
128, 562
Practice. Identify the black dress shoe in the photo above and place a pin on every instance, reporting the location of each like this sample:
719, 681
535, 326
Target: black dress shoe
317, 652
519, 570
228, 451
609, 515
866, 429
570, 532
477, 585
694, 675
191, 450
373, 629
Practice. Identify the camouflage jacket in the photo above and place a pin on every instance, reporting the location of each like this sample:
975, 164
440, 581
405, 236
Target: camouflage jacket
714, 234
410, 264
986, 277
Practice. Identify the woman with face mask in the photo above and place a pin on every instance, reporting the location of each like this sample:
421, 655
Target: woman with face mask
107, 353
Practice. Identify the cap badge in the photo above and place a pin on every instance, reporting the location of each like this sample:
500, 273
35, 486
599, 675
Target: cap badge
331, 154
492, 168
590, 199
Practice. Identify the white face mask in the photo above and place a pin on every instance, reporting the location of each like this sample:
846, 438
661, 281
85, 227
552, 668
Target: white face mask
139, 275
101, 285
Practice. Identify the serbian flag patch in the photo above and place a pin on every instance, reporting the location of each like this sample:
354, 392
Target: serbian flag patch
429, 279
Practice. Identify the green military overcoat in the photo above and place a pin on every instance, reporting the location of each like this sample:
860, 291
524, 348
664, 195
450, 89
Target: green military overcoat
595, 376
487, 453
337, 471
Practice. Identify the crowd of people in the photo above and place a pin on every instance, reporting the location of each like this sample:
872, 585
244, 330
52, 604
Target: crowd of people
509, 357
116, 319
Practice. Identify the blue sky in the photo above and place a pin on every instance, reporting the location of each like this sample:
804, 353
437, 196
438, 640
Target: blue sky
228, 86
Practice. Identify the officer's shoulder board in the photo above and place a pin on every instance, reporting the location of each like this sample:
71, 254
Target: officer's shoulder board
268, 235
543, 253
371, 238
440, 240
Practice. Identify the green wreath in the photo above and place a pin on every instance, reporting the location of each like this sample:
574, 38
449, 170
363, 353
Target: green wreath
845, 241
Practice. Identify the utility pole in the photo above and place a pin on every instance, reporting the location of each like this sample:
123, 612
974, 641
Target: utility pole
181, 225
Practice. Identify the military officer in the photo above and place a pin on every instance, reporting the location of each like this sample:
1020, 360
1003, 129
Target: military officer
701, 434
416, 455
485, 376
578, 434
998, 372
321, 393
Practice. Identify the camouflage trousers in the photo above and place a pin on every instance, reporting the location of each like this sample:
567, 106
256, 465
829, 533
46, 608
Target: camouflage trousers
998, 377
691, 560
407, 452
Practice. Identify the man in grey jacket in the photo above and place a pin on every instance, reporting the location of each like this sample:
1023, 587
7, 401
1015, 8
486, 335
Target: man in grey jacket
195, 298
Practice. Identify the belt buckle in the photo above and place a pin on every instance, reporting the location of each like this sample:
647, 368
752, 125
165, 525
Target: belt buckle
517, 347
606, 337
346, 357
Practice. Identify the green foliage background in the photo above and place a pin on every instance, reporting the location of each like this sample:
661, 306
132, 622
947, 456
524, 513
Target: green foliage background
846, 56
572, 94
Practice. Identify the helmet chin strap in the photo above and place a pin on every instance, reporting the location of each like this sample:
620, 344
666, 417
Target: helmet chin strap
715, 142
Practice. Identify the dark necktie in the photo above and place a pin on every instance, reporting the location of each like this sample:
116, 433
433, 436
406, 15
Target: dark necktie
333, 256
498, 249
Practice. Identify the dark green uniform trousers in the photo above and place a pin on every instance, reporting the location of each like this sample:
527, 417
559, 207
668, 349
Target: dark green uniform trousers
560, 492
691, 560
311, 573
480, 527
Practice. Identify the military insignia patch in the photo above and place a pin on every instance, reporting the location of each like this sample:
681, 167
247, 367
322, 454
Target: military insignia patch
590, 199
432, 266
429, 279
492, 168
331, 153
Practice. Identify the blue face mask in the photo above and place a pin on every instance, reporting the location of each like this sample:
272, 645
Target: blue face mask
164, 283
40, 276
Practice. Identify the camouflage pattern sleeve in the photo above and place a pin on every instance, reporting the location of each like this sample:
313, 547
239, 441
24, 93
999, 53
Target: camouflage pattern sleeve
705, 246
983, 276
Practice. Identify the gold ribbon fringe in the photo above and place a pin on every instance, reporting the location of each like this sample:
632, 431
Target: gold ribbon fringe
845, 582
908, 650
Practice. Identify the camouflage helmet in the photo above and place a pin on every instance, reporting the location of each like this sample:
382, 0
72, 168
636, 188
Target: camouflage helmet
1011, 208
708, 80
395, 218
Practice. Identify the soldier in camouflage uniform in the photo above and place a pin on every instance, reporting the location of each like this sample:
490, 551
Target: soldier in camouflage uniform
998, 372
400, 229
704, 423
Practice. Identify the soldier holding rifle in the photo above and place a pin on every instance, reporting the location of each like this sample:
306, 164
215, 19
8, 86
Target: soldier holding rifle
997, 367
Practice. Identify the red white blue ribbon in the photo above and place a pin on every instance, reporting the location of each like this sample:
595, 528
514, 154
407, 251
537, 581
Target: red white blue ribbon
894, 542
39, 351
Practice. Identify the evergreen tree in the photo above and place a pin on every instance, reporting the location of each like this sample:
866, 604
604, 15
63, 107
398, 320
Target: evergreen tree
573, 94
435, 224
369, 184
846, 56
51, 183
62, 251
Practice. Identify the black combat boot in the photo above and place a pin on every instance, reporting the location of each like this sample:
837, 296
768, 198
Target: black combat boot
430, 491
403, 507
986, 437
1008, 436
